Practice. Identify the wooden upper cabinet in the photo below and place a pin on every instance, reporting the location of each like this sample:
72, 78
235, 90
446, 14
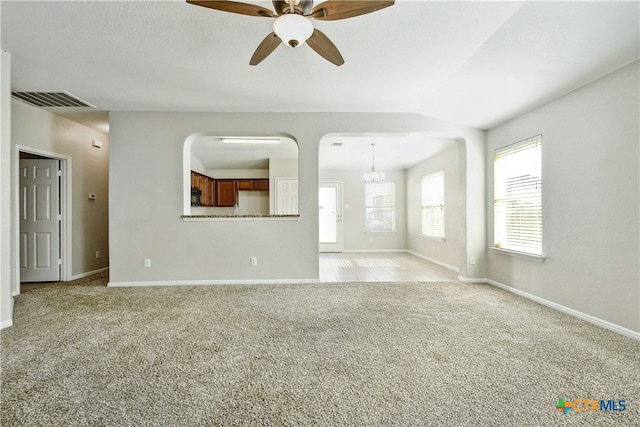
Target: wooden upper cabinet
252, 184
210, 199
244, 184
206, 186
225, 192
261, 184
195, 179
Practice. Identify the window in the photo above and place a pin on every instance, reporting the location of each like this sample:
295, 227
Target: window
380, 214
518, 197
433, 204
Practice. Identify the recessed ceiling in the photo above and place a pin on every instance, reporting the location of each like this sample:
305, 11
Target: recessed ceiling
212, 153
473, 63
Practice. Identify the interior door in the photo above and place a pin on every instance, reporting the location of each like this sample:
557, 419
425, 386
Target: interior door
330, 216
39, 220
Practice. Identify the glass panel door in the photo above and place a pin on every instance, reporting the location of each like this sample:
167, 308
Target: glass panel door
330, 216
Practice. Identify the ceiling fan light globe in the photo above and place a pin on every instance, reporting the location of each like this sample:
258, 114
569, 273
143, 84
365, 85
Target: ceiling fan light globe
293, 30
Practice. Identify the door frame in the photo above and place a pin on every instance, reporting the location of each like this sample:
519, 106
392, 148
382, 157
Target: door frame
65, 204
339, 246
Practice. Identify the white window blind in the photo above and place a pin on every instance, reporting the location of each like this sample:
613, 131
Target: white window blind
433, 204
518, 197
380, 214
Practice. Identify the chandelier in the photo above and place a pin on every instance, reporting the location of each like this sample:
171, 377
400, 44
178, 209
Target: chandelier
373, 177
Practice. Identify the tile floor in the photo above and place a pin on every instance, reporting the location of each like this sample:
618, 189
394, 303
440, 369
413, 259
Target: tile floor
381, 267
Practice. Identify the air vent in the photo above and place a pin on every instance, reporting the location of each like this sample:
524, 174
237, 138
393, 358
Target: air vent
51, 99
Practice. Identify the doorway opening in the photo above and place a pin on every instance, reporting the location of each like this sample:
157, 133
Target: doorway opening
42, 216
330, 216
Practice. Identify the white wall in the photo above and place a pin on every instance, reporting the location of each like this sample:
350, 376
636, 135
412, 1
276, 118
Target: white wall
590, 200
6, 266
253, 202
448, 252
38, 129
354, 236
146, 149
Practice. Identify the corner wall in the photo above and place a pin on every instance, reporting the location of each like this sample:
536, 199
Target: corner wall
590, 200
6, 267
446, 253
40, 130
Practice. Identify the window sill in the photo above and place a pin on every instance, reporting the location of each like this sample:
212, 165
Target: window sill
516, 254
434, 238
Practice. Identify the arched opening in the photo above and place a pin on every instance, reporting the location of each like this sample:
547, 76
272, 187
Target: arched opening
404, 159
240, 175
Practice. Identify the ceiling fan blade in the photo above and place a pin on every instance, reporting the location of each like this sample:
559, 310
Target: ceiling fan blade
268, 45
234, 7
324, 47
341, 9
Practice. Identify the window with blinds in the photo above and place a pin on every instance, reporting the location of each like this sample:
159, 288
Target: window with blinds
432, 204
518, 197
380, 216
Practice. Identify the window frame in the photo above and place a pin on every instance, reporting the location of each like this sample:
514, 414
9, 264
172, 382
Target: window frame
382, 208
436, 177
518, 217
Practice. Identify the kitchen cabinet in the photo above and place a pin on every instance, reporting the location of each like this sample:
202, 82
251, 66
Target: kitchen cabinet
206, 186
195, 179
252, 184
225, 192
244, 184
261, 184
208, 196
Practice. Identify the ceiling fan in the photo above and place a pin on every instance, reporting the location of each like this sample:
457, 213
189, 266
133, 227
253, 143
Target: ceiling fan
293, 25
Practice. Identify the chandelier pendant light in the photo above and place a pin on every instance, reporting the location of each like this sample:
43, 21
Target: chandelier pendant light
373, 177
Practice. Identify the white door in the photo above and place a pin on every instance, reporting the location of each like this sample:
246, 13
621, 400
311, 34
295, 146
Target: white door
39, 220
286, 196
330, 216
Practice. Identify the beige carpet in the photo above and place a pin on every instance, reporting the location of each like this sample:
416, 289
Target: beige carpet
374, 354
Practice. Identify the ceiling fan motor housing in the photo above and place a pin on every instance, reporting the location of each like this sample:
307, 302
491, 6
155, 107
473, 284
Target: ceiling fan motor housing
301, 7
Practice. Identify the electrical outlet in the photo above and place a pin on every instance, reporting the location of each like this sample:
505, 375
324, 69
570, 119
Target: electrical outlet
254, 261
147, 262
472, 260
97, 254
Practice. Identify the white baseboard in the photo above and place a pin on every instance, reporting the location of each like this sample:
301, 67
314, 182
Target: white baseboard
575, 313
213, 282
473, 279
435, 261
89, 273
350, 251
8, 322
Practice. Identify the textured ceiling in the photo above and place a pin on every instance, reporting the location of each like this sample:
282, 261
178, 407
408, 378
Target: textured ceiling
473, 63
